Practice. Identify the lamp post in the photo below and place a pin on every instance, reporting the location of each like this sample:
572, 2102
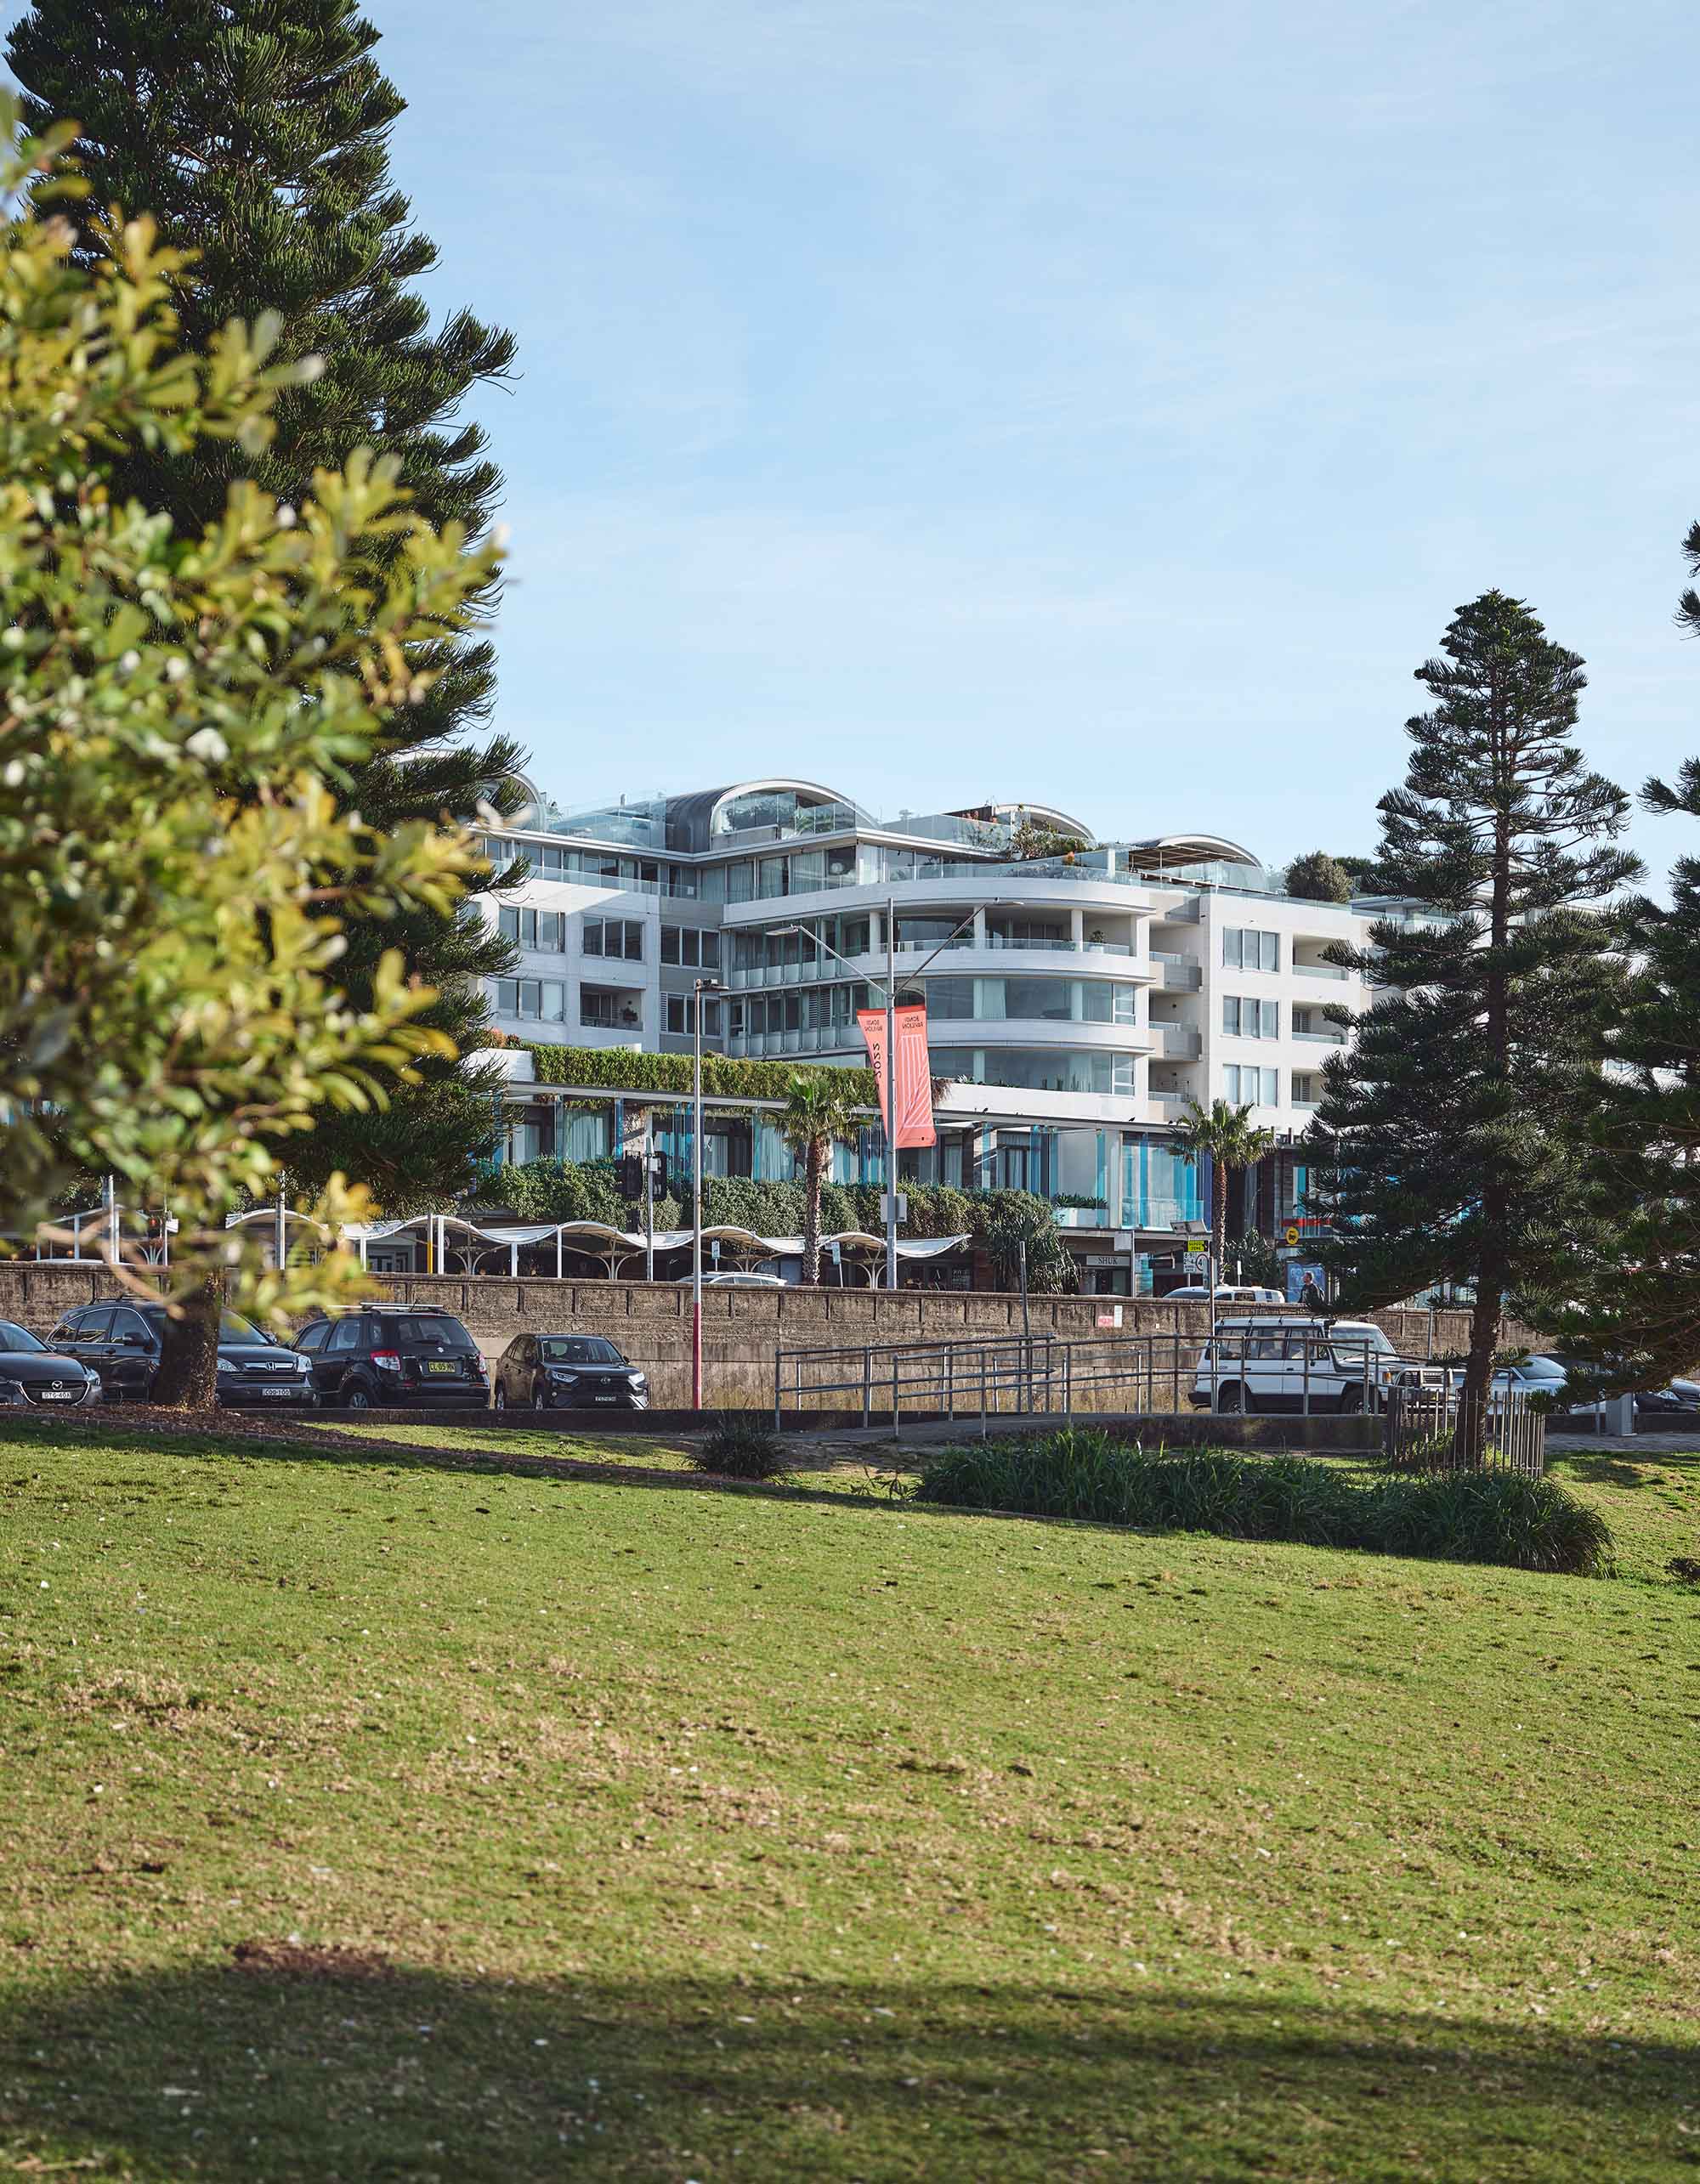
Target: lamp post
699, 987
890, 1117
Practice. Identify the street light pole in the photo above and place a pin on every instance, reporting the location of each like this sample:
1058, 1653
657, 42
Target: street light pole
889, 1118
699, 986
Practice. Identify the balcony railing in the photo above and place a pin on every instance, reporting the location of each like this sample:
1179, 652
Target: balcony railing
1181, 974
1319, 969
1179, 1043
1321, 1038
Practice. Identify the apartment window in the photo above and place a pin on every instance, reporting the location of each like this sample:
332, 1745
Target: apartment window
608, 1011
1244, 947
615, 936
540, 1000
1252, 1087
544, 930
1307, 1089
677, 1021
1250, 1020
691, 946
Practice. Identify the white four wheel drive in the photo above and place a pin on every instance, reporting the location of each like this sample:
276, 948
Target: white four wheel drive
1298, 1363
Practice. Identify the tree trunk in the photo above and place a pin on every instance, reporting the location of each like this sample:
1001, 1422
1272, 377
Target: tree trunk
187, 1378
810, 1219
1219, 1216
1485, 1318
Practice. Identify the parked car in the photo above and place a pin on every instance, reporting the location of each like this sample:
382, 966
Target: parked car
388, 1356
1290, 1361
737, 1282
586, 1373
1235, 1293
30, 1373
123, 1342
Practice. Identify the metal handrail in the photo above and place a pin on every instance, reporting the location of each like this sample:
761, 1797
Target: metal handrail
1051, 1375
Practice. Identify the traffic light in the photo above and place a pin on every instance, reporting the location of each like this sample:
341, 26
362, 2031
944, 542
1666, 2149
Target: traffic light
657, 1163
630, 1177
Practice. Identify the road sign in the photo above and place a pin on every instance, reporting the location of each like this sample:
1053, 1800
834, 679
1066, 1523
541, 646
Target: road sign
1293, 1234
1197, 1247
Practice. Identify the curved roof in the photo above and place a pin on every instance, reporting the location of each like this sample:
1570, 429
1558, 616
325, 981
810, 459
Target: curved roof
1039, 815
690, 819
1194, 849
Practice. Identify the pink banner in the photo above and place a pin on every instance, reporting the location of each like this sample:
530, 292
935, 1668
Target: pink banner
914, 1073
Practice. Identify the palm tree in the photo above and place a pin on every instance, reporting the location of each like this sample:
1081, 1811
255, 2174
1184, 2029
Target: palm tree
1228, 1136
818, 1115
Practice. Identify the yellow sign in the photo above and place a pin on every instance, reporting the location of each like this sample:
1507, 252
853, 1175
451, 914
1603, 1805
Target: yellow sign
1196, 1246
1292, 1236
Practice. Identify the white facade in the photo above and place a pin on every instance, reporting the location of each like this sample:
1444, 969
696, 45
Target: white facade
1083, 1001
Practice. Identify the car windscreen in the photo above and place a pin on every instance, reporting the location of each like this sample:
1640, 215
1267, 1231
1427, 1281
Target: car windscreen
232, 1327
1541, 1368
13, 1336
431, 1334
1359, 1336
578, 1349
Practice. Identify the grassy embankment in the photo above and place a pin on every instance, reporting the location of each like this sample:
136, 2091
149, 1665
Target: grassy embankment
369, 1819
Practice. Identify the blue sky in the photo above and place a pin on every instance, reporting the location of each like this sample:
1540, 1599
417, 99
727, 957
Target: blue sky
1102, 403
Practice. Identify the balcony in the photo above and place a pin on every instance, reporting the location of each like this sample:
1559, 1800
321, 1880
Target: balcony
1179, 974
1332, 1038
1177, 1042
1318, 970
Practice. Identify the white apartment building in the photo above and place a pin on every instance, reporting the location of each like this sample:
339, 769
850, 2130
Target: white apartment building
1075, 1000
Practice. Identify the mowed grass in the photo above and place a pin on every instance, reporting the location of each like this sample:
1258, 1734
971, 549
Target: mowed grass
365, 1819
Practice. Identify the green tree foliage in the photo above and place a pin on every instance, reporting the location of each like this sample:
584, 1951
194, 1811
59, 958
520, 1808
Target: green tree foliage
1230, 1139
1258, 1261
1012, 1218
254, 132
1630, 1306
818, 1115
1450, 1139
175, 875
1317, 877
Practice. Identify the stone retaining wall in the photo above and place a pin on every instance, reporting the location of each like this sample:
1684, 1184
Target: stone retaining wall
743, 1327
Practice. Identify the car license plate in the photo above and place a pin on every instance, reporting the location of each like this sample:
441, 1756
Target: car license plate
60, 1394
439, 1364
608, 1398
278, 1391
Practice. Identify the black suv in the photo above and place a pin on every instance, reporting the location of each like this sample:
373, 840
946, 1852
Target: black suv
386, 1355
578, 1371
123, 1342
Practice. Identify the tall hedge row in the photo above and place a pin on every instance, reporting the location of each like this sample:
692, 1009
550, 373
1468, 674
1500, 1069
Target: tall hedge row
622, 1069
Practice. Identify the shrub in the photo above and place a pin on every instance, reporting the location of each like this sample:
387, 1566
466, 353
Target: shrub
1492, 1516
1481, 1516
738, 1445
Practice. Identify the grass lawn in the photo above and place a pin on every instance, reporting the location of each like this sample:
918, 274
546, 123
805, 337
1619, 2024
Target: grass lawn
365, 1820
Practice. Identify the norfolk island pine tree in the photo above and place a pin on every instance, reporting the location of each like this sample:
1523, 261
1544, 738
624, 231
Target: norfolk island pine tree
1633, 1310
1452, 1139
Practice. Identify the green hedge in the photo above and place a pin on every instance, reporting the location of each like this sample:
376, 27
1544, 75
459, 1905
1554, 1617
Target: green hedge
622, 1069
1469, 1516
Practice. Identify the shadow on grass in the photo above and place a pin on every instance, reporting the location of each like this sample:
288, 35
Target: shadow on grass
294, 2065
1617, 1468
368, 1451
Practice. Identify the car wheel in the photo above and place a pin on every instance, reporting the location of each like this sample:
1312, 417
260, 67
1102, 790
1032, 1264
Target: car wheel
1350, 1400
357, 1399
1231, 1400
500, 1396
